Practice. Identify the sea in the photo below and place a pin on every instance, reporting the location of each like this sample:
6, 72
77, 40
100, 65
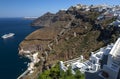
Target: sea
11, 63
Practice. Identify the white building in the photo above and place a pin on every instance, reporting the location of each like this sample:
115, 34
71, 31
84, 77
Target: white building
112, 69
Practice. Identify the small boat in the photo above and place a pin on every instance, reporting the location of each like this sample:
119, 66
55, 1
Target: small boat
8, 35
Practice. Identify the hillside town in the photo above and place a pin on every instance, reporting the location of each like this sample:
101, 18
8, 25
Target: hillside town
103, 63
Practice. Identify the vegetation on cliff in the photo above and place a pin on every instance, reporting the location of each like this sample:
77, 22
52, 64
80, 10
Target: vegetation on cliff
56, 73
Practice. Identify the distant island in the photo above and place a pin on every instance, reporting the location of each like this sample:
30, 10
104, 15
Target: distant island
30, 18
69, 34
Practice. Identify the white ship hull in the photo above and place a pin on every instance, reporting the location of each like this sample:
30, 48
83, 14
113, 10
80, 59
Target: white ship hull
8, 35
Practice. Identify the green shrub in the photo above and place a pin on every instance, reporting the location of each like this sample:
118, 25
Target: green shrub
56, 73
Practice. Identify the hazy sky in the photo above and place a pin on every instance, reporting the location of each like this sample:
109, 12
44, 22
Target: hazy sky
21, 8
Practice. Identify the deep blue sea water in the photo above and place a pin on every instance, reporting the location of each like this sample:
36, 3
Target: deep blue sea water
11, 64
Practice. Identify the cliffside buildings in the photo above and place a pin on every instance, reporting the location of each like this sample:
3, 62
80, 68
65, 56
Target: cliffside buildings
111, 70
105, 62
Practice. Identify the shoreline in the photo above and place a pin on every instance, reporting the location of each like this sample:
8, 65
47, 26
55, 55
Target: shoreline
31, 65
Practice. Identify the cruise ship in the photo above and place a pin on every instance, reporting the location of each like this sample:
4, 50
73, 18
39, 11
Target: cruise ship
8, 35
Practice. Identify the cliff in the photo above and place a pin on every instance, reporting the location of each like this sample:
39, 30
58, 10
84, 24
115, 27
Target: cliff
48, 19
66, 35
44, 20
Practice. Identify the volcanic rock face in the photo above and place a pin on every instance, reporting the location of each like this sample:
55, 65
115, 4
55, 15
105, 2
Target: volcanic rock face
48, 19
66, 35
44, 20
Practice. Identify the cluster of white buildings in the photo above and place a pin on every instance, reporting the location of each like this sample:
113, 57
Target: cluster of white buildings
106, 61
109, 10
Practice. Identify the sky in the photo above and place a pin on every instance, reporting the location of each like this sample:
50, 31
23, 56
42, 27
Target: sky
36, 8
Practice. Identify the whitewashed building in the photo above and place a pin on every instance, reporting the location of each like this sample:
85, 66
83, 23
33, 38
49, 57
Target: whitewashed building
112, 69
